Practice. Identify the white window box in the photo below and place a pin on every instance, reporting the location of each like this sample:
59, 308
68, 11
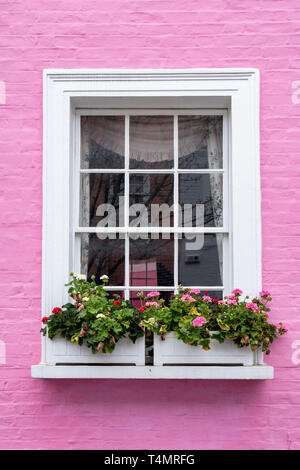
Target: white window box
61, 351
172, 351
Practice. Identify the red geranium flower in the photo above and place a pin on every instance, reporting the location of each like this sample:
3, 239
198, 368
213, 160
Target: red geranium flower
56, 310
44, 319
141, 309
206, 292
117, 302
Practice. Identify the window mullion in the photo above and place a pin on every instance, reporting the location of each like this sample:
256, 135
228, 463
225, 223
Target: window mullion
176, 197
126, 208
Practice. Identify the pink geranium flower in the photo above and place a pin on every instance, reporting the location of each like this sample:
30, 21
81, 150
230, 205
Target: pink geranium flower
188, 297
155, 304
195, 291
221, 302
230, 297
252, 306
265, 293
231, 302
265, 313
199, 321
237, 291
282, 328
153, 294
206, 297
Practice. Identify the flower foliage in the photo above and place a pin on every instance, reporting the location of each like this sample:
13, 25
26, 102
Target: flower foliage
93, 318
100, 322
196, 320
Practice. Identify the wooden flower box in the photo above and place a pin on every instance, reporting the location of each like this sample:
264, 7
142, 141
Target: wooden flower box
174, 351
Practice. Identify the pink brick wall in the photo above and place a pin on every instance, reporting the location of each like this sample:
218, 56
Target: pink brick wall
70, 414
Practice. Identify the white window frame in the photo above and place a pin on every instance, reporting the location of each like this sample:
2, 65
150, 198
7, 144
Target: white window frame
64, 92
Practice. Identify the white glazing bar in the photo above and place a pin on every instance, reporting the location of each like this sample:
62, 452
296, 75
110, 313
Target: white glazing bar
125, 230
104, 170
151, 171
201, 171
176, 199
126, 209
142, 288
163, 288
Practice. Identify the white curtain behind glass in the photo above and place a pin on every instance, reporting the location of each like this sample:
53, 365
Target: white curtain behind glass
214, 153
151, 142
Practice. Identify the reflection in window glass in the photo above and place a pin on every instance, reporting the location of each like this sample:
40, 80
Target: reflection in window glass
152, 262
151, 142
214, 294
200, 142
102, 141
102, 200
202, 195
151, 200
103, 256
200, 260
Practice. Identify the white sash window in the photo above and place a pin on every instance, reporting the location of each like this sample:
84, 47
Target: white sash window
151, 177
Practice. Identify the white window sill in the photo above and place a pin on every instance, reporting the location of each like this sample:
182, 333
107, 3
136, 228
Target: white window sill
258, 372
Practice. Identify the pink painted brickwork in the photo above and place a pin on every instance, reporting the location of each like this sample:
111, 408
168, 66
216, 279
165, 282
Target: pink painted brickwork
107, 414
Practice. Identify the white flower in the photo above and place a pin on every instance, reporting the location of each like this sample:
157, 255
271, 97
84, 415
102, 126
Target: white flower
86, 299
80, 277
104, 277
100, 315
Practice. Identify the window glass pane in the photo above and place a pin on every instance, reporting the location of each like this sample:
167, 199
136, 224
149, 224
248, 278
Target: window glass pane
151, 200
151, 142
152, 262
102, 141
200, 260
103, 256
200, 141
201, 199
214, 294
102, 200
